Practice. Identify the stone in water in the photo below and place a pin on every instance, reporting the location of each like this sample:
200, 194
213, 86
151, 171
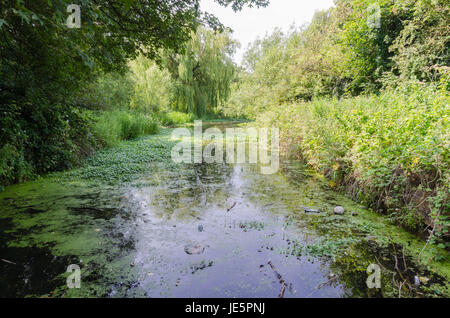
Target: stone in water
339, 210
194, 249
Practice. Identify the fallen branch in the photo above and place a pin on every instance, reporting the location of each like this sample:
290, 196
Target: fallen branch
278, 274
234, 204
405, 280
321, 285
283, 288
6, 261
404, 261
282, 281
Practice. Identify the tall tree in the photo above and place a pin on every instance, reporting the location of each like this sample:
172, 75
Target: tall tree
203, 73
43, 63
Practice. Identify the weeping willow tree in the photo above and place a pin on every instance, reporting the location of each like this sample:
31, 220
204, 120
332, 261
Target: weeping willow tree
153, 87
203, 73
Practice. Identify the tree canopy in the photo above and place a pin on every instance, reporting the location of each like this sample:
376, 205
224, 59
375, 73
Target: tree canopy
203, 73
44, 64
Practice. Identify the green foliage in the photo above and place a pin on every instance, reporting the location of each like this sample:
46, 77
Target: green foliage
109, 92
389, 151
327, 247
153, 86
41, 138
412, 41
343, 52
175, 118
422, 50
303, 64
124, 161
112, 127
48, 72
367, 54
203, 73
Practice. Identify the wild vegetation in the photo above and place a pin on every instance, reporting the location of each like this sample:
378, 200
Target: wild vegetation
363, 101
361, 94
66, 91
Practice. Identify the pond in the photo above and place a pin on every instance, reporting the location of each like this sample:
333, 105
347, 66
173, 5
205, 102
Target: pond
139, 225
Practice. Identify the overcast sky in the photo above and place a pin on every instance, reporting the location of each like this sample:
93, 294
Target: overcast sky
251, 23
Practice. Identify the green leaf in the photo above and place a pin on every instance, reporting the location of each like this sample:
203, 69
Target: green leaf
3, 22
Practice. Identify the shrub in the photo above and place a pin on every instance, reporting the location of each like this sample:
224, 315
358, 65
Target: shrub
176, 118
109, 92
388, 151
38, 139
112, 127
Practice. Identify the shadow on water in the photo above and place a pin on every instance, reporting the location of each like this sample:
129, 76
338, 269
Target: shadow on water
200, 230
34, 271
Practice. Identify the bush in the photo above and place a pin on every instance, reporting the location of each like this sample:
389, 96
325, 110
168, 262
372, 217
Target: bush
109, 92
388, 151
36, 139
176, 118
153, 87
112, 127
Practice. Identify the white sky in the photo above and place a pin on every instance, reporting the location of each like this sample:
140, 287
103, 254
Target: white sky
248, 24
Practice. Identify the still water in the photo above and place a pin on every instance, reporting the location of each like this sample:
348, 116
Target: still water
197, 230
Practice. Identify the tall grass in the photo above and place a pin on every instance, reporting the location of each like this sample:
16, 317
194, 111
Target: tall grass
114, 126
175, 118
389, 151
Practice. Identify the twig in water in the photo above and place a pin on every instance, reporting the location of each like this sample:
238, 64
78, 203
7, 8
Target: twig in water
283, 287
234, 204
405, 280
321, 285
275, 270
6, 261
283, 283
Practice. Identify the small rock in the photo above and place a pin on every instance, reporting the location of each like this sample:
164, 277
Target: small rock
200, 228
416, 280
194, 249
308, 210
354, 213
339, 210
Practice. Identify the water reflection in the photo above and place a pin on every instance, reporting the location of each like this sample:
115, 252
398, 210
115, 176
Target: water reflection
243, 219
201, 230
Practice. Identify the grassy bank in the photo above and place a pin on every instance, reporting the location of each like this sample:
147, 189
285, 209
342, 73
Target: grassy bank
112, 127
389, 152
80, 134
174, 118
